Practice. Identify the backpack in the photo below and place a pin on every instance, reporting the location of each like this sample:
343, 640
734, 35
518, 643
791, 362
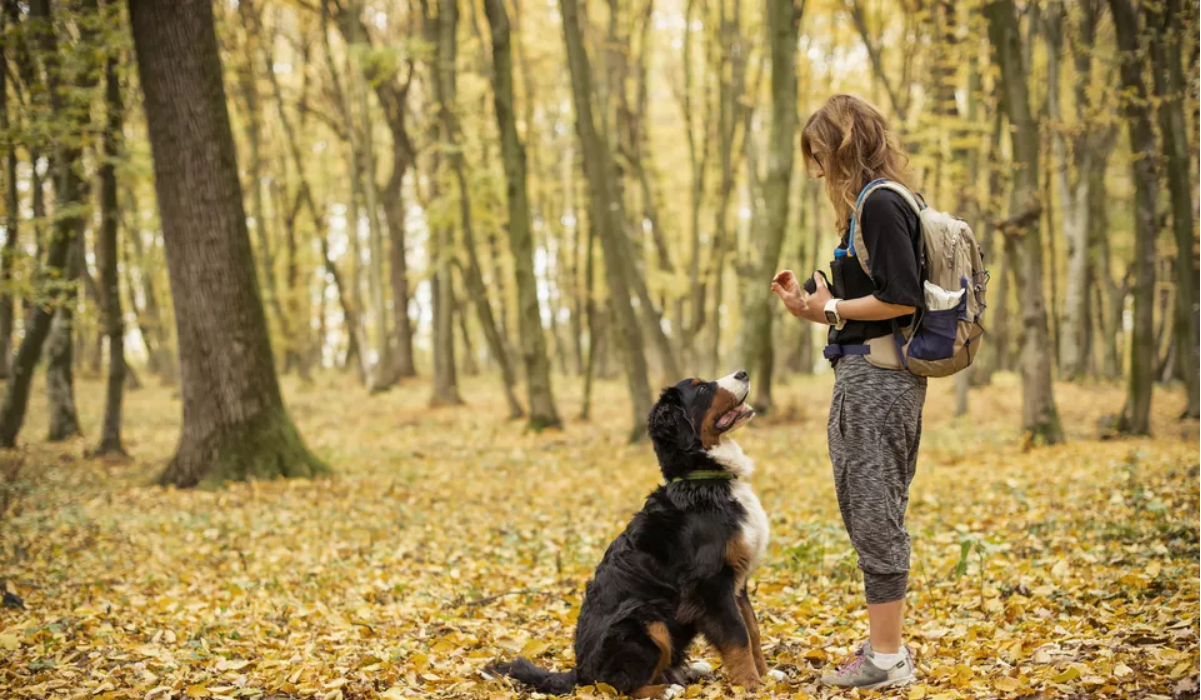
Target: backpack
940, 341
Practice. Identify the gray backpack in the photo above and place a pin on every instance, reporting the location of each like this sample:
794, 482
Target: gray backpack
946, 333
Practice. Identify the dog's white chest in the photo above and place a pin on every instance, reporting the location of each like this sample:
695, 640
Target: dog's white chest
755, 531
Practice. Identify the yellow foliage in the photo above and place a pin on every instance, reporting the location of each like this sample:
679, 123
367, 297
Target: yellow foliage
449, 538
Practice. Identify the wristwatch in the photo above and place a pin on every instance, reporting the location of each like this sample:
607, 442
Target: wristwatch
832, 316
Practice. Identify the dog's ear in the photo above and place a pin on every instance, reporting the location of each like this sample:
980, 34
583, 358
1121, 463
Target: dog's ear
663, 423
671, 432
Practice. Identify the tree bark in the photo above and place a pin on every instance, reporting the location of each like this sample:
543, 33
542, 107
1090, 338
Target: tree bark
1136, 414
1166, 51
608, 217
110, 435
783, 22
1040, 419
529, 317
235, 425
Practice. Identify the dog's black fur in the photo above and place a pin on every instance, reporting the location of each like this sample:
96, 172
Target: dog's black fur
674, 572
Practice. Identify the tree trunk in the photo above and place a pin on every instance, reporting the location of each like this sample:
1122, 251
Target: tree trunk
590, 309
235, 425
521, 243
1040, 419
472, 273
1166, 52
110, 436
1136, 414
249, 87
783, 22
68, 192
381, 374
60, 352
608, 217
11, 221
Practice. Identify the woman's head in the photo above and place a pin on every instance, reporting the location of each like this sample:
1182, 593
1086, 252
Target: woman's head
847, 141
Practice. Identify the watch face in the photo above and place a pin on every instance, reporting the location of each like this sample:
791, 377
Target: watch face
831, 318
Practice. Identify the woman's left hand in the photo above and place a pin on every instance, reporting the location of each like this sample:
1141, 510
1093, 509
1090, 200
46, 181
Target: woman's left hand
815, 304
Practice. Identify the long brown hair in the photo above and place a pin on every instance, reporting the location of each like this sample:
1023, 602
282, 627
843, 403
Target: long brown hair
848, 139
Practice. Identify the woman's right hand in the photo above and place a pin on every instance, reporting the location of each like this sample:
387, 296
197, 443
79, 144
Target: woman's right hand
785, 286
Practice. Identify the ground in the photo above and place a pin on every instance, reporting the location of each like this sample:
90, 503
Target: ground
449, 537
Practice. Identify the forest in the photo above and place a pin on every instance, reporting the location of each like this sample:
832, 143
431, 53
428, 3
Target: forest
430, 262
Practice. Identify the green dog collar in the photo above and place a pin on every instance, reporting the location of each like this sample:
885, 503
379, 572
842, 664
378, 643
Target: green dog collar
706, 474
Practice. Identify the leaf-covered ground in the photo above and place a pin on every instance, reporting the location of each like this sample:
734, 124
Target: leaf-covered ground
449, 538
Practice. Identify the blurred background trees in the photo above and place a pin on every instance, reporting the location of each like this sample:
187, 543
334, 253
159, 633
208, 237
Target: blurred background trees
442, 192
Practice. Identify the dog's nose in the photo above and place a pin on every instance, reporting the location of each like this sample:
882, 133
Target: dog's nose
741, 375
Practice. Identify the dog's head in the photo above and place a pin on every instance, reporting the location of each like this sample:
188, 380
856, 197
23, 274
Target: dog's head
691, 419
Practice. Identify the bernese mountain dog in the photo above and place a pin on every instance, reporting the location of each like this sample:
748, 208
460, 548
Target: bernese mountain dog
680, 567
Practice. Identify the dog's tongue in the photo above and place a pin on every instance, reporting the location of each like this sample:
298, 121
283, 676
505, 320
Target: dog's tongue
729, 417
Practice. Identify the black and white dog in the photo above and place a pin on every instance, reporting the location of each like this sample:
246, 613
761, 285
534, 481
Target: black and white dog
680, 567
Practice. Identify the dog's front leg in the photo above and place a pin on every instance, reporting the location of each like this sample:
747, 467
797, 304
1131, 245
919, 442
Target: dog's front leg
752, 628
721, 621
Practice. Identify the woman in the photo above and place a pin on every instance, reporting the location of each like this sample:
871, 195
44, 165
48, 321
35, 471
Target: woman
876, 415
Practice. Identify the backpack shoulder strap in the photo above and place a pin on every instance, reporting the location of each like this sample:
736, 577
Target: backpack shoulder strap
856, 248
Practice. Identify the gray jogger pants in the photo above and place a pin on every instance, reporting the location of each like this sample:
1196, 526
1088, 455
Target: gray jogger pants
874, 429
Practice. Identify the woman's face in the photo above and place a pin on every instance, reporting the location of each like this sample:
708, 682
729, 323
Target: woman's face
818, 158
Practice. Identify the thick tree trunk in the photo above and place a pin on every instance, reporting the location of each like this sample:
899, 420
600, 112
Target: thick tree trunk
110, 435
235, 425
782, 22
1040, 419
68, 192
608, 217
1166, 52
1136, 414
521, 243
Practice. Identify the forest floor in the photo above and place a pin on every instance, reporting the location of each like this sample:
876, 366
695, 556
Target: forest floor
450, 537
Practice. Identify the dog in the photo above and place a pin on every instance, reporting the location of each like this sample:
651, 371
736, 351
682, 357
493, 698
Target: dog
680, 568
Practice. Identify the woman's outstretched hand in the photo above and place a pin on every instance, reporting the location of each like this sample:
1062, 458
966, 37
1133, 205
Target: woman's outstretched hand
810, 307
785, 285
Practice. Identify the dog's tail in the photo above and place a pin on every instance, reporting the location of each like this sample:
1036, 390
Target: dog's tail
539, 679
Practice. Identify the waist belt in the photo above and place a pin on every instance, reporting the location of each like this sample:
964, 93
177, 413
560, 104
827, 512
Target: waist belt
833, 351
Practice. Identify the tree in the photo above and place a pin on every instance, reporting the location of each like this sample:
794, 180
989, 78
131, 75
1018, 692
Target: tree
110, 436
69, 188
12, 215
1169, 82
445, 92
1136, 414
1040, 419
521, 243
235, 425
607, 215
783, 22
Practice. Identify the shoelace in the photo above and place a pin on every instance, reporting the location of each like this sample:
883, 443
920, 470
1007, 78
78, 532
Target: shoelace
853, 661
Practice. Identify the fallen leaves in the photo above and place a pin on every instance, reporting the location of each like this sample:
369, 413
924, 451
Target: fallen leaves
435, 551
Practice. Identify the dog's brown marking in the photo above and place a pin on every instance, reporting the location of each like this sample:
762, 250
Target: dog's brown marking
752, 629
723, 402
649, 691
739, 663
695, 382
739, 557
662, 639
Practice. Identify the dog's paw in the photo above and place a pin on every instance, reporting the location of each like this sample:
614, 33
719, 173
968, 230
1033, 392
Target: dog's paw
673, 691
776, 674
700, 669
